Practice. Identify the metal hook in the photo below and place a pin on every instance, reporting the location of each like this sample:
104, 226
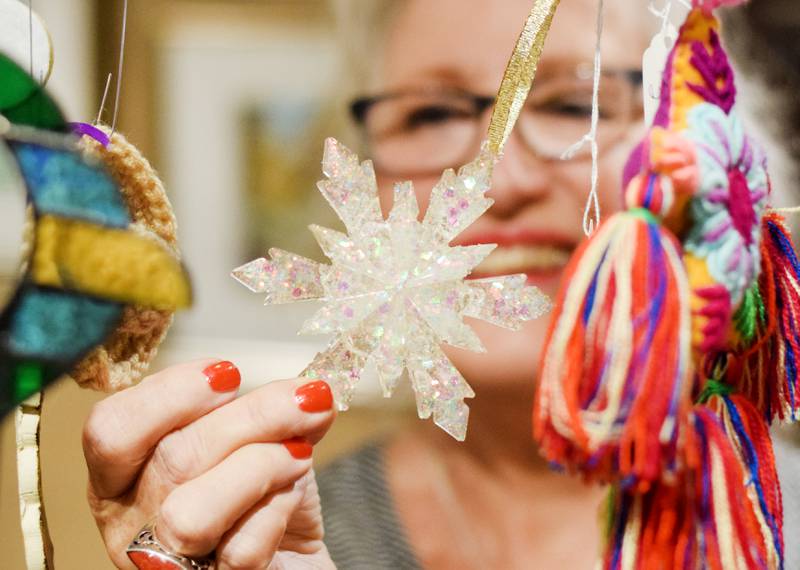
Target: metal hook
121, 64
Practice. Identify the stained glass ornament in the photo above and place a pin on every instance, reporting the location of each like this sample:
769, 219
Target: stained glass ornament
396, 289
85, 264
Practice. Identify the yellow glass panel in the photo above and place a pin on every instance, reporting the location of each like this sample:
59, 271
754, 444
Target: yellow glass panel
118, 265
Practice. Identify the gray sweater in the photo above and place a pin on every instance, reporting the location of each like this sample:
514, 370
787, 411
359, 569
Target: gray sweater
362, 530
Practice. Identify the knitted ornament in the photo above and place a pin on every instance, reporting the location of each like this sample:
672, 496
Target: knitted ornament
676, 337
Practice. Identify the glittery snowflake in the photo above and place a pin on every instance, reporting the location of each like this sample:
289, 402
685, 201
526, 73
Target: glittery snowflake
396, 289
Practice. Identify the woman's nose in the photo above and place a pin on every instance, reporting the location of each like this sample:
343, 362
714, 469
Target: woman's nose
519, 179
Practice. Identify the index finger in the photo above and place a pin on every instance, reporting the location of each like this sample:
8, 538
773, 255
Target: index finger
123, 429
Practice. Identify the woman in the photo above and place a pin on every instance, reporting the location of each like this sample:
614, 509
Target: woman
233, 475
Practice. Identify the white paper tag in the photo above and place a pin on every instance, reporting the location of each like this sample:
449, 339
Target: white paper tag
653, 62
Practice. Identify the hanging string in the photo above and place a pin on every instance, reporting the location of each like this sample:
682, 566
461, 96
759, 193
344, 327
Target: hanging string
591, 213
520, 74
30, 33
103, 100
121, 64
789, 210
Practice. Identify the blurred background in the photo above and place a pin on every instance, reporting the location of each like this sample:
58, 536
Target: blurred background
231, 101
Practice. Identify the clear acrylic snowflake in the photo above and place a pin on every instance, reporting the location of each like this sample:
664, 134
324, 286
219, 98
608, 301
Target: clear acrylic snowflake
396, 289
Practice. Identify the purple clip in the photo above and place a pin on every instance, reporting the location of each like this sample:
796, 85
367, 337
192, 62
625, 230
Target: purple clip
85, 129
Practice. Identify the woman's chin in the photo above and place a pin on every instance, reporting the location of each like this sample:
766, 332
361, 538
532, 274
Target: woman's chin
510, 361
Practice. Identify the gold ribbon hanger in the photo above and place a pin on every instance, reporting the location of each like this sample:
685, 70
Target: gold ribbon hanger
520, 73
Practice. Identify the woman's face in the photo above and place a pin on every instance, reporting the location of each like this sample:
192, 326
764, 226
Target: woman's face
539, 203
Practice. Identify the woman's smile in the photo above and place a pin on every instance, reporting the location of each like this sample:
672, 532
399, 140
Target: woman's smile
542, 255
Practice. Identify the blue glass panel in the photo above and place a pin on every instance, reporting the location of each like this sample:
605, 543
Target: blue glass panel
60, 182
55, 325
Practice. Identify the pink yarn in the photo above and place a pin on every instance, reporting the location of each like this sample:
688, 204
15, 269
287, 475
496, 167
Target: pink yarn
709, 5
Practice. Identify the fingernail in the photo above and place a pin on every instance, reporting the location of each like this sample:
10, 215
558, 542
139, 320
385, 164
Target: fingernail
223, 376
299, 448
152, 561
314, 397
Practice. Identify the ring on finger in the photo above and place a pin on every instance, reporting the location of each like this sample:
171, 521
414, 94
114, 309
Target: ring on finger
146, 552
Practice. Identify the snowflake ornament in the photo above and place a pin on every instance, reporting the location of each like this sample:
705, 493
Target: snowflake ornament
396, 289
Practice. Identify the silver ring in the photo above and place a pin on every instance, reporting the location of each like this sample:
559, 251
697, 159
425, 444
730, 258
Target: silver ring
147, 547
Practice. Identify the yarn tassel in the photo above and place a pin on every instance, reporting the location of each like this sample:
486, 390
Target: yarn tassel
616, 370
766, 372
701, 520
749, 433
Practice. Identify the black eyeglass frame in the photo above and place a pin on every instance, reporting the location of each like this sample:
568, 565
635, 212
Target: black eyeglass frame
360, 106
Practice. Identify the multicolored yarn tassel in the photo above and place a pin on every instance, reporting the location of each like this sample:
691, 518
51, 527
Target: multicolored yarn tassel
622, 327
702, 520
746, 429
766, 372
692, 292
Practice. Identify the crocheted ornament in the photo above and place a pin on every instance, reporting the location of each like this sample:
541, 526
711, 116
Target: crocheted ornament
673, 304
124, 357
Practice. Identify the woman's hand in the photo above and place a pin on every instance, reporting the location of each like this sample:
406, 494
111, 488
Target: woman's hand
215, 472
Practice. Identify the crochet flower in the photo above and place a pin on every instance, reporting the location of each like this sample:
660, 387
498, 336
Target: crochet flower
730, 198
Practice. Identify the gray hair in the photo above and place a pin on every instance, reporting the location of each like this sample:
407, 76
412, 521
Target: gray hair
362, 26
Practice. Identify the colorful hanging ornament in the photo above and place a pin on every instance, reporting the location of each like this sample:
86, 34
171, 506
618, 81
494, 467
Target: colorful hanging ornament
396, 288
674, 305
85, 263
100, 260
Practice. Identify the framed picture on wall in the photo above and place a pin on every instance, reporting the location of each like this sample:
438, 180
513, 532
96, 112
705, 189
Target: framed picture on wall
245, 98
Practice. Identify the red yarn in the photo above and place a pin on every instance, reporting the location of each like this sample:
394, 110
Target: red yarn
767, 371
615, 377
689, 522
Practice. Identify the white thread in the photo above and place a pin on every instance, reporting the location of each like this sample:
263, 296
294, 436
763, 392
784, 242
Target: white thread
103, 101
592, 202
791, 210
121, 63
30, 31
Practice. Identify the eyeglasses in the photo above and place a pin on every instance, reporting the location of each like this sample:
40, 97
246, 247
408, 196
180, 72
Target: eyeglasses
422, 132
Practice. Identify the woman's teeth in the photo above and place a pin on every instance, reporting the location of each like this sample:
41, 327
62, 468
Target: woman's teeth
506, 260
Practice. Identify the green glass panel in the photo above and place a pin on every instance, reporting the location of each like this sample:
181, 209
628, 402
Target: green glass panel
24, 102
30, 379
17, 85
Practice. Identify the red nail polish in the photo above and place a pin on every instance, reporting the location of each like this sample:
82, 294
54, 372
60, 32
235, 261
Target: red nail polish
152, 561
314, 397
299, 447
223, 376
